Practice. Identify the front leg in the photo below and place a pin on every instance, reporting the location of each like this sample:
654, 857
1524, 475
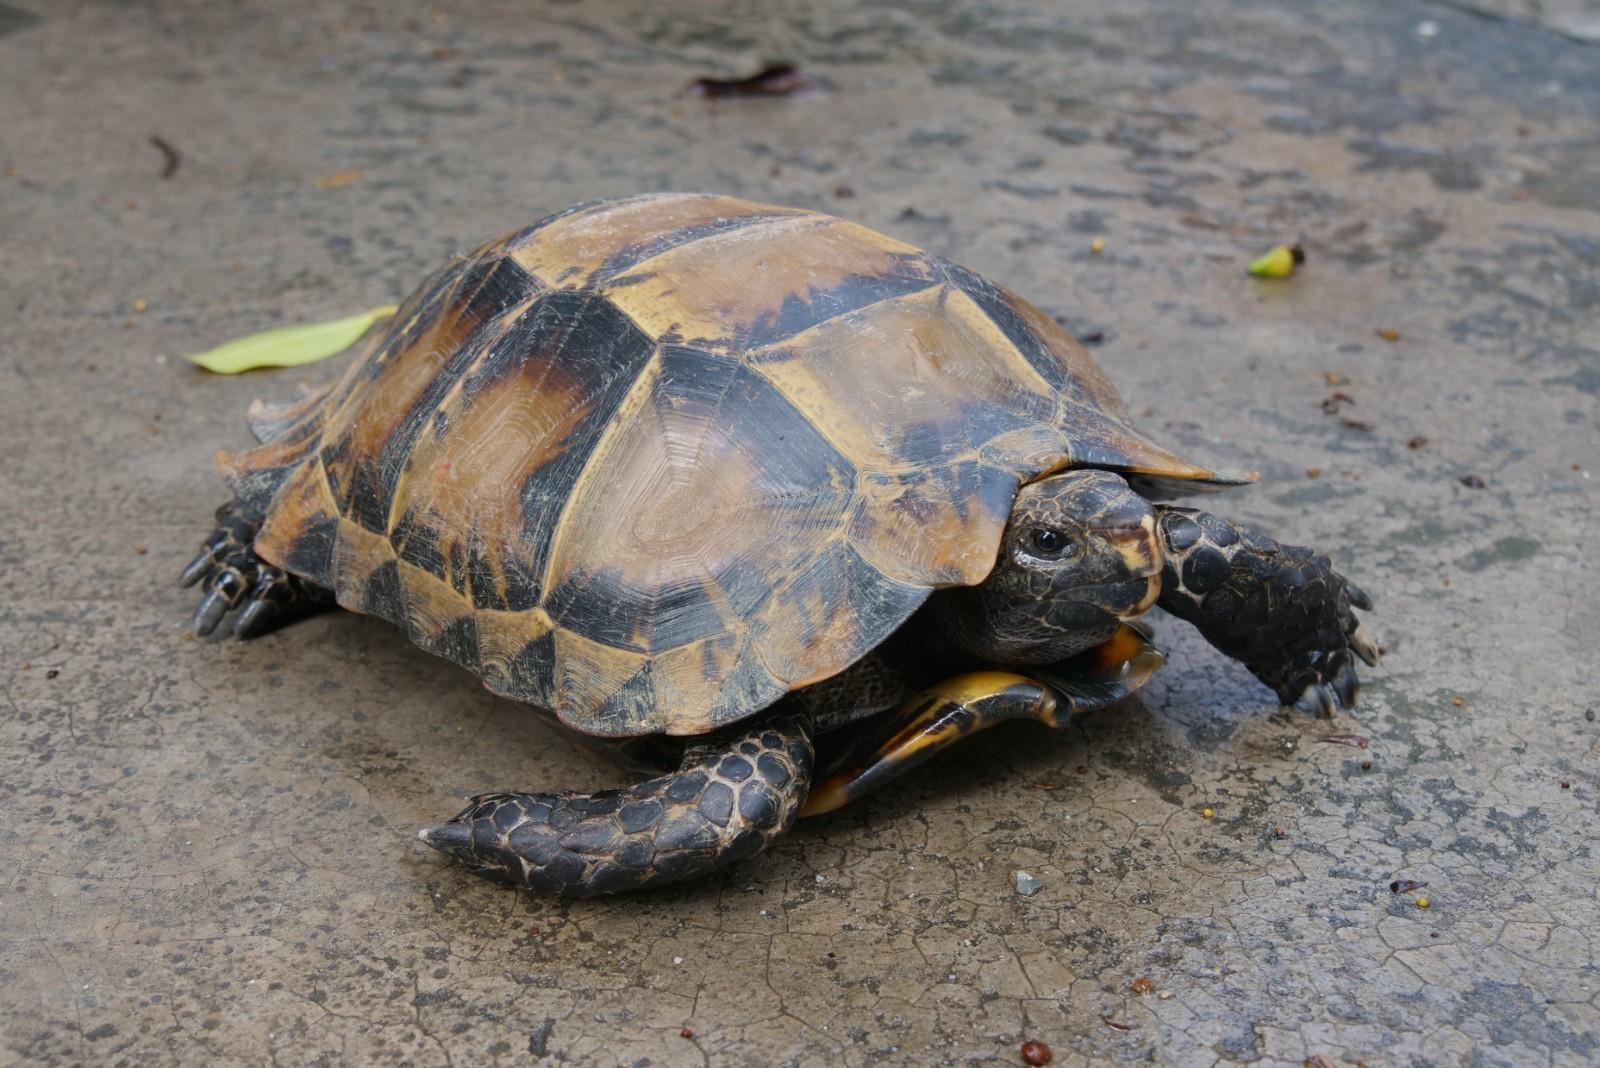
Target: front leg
1281, 610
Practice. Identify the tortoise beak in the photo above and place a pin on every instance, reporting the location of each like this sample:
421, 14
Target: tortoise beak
1140, 548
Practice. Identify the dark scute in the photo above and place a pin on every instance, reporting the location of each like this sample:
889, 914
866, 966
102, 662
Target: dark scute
599, 349
635, 853
311, 554
563, 817
1205, 570
539, 808
839, 583
535, 842
1259, 541
590, 836
717, 804
529, 674
1219, 530
608, 878
1182, 532
361, 494
605, 802
506, 817
565, 868
424, 410
603, 607
457, 642
772, 770
495, 285
734, 769
749, 748
481, 584
685, 830
908, 274
639, 815
686, 787
996, 304
804, 480
630, 702
417, 543
384, 597
758, 804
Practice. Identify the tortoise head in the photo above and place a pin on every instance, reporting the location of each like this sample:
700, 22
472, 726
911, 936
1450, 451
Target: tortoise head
1080, 554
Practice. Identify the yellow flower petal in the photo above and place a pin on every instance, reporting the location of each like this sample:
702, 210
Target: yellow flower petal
289, 346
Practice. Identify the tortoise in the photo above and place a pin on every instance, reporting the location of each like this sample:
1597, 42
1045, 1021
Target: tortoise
712, 482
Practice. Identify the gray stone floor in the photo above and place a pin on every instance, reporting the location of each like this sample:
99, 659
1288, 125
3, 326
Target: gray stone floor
206, 850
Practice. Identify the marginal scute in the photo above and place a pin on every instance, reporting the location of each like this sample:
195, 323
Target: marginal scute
652, 463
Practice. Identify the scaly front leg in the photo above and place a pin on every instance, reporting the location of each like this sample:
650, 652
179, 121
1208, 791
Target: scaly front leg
1281, 610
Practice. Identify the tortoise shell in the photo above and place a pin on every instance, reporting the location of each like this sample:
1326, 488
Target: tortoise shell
652, 463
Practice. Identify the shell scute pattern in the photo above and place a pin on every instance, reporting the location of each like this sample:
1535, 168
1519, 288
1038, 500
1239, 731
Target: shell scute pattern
655, 462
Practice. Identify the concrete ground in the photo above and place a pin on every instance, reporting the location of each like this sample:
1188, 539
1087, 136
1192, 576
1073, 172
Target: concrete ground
206, 850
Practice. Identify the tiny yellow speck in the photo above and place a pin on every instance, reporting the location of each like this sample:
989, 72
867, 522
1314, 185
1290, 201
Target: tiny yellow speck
1098, 245
1422, 902
140, 305
1207, 813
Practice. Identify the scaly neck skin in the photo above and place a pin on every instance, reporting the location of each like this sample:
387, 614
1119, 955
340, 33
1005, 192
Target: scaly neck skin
1079, 555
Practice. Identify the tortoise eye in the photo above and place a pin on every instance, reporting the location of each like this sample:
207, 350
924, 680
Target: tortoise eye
1047, 542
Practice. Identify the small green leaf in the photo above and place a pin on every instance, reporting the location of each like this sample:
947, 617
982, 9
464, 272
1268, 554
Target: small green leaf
289, 346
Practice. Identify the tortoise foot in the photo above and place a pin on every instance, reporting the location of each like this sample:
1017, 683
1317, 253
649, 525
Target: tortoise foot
1281, 610
232, 576
729, 800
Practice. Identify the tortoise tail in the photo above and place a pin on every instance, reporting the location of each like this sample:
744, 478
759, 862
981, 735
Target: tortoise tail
730, 798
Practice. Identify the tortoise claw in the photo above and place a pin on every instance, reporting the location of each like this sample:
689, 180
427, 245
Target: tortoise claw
206, 617
254, 619
1362, 644
199, 567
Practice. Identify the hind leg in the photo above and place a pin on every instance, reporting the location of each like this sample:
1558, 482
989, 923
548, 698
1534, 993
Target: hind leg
233, 576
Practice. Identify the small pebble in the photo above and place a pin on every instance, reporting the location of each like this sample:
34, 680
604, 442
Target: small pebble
1036, 1053
1098, 245
1280, 832
1207, 813
1027, 886
141, 305
1389, 335
1423, 902
1366, 765
686, 1033
1458, 700
1313, 472
1142, 985
52, 673
1565, 785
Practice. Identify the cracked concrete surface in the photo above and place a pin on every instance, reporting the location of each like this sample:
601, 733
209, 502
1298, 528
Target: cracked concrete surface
206, 850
